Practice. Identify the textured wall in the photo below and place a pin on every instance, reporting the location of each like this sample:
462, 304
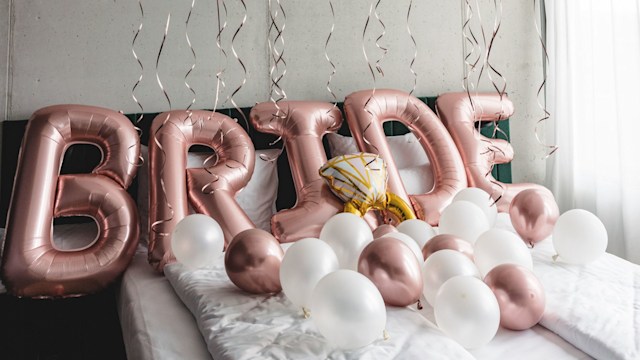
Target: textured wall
72, 51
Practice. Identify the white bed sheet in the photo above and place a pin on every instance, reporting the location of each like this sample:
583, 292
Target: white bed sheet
155, 323
210, 294
238, 326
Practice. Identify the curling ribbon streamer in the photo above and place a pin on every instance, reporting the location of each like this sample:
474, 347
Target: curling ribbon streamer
551, 149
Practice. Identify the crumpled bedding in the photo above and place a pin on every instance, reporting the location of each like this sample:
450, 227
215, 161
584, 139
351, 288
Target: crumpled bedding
239, 326
596, 307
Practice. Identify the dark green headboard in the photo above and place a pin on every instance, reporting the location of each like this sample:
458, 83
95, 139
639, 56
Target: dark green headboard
83, 158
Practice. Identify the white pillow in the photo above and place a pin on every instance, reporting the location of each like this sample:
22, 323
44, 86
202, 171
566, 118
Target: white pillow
257, 199
410, 158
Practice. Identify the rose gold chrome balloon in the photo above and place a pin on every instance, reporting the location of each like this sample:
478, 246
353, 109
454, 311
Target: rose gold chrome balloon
446, 241
211, 191
367, 110
253, 260
478, 152
383, 230
534, 213
301, 125
31, 265
394, 269
520, 295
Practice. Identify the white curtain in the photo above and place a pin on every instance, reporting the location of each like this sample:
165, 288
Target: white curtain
593, 93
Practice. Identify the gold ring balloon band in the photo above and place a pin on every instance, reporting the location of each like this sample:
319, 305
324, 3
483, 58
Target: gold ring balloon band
395, 205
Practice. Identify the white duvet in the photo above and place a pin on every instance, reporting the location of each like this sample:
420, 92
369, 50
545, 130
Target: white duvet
595, 307
240, 326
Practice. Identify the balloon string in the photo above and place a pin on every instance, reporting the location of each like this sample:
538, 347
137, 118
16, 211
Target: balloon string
219, 74
471, 66
277, 93
497, 22
415, 50
135, 56
193, 54
241, 63
551, 149
140, 160
156, 224
373, 77
384, 31
164, 38
326, 55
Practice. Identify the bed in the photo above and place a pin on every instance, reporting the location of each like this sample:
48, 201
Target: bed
162, 316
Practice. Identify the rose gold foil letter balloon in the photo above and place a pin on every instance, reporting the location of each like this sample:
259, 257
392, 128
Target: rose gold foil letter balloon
211, 190
366, 111
31, 265
301, 125
478, 152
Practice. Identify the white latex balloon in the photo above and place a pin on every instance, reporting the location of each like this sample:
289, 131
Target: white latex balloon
348, 310
304, 264
442, 266
347, 234
579, 237
498, 246
197, 241
482, 199
467, 311
410, 242
463, 219
419, 230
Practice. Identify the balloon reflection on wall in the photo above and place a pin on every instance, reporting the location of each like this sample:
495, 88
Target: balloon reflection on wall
210, 191
31, 265
367, 110
478, 152
301, 126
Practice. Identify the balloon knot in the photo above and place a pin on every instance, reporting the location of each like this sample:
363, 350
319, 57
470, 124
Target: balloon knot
531, 246
306, 312
420, 307
385, 335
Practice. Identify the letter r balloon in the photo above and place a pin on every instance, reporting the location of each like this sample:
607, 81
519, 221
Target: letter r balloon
210, 190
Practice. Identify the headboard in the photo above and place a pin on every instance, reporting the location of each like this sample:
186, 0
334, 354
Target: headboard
82, 158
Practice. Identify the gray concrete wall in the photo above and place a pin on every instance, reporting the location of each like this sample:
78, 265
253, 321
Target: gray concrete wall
72, 51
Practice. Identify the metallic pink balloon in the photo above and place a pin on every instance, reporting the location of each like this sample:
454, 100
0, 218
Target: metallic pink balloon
253, 260
479, 152
383, 230
446, 241
367, 110
301, 124
534, 213
210, 191
394, 269
32, 266
520, 295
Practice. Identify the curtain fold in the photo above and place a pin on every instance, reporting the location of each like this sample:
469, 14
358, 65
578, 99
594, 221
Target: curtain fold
593, 94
